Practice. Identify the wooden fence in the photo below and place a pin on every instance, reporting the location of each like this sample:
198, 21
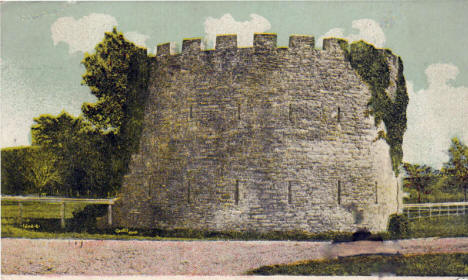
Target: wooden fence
423, 210
62, 201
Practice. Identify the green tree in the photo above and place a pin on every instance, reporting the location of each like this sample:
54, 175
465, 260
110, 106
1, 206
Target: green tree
117, 74
457, 166
57, 131
15, 169
83, 154
419, 177
44, 173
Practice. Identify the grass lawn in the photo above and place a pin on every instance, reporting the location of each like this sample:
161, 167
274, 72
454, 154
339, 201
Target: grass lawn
42, 220
40, 210
407, 265
449, 226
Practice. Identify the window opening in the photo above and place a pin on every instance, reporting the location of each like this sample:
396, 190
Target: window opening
290, 112
236, 194
339, 115
189, 193
376, 197
339, 192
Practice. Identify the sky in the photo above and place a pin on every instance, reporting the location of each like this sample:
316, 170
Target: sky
43, 43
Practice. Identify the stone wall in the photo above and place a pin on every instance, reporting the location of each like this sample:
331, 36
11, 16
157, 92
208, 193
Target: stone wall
260, 138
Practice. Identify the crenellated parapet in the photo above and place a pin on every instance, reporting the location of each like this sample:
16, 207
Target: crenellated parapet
262, 42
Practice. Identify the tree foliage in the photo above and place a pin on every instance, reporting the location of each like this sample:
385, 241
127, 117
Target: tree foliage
419, 177
84, 155
88, 155
15, 167
457, 166
44, 173
448, 184
117, 74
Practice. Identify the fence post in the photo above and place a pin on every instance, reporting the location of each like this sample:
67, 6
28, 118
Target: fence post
419, 212
62, 215
109, 214
20, 213
430, 212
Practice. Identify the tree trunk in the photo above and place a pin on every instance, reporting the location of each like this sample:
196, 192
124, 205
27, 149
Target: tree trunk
419, 194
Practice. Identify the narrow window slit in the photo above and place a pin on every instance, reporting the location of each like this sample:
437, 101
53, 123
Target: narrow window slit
376, 197
339, 115
289, 193
191, 111
189, 192
339, 192
238, 111
290, 112
236, 194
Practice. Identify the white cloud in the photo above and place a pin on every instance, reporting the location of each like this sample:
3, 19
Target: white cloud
369, 31
82, 34
228, 25
435, 115
334, 32
137, 38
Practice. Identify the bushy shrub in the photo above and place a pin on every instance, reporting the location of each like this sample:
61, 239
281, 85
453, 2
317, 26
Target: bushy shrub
85, 220
398, 226
18, 164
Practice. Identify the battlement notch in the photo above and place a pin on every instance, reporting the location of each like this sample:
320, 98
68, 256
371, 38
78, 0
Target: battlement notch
226, 41
192, 45
264, 41
333, 44
301, 41
163, 49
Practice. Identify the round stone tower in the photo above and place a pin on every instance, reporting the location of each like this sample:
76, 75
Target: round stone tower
260, 139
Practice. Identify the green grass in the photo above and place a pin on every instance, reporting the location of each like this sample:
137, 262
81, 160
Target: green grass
40, 210
19, 232
407, 265
43, 221
449, 226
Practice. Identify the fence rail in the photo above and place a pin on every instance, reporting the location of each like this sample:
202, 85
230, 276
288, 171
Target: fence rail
63, 201
424, 210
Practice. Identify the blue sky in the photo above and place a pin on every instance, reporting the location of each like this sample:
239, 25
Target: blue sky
42, 44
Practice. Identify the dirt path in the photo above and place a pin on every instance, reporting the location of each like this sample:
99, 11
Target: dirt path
116, 257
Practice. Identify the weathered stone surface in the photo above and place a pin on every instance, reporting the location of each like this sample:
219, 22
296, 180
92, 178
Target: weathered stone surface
260, 139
